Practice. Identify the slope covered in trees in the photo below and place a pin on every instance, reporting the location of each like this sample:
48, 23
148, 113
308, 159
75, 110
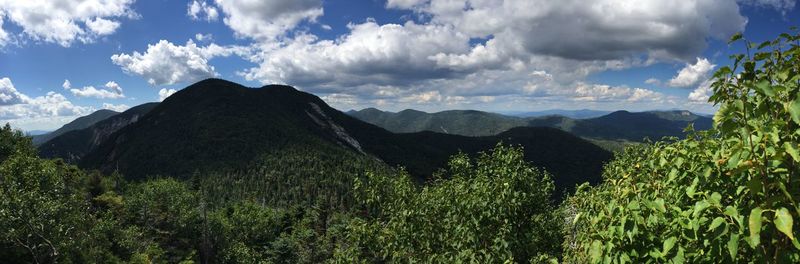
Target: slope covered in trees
73, 145
77, 124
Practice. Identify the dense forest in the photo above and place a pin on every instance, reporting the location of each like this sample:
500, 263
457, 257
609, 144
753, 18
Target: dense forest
724, 195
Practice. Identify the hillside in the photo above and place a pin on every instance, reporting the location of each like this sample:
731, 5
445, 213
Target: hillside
215, 125
77, 124
616, 126
73, 145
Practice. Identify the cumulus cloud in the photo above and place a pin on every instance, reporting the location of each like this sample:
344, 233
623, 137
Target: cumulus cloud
67, 85
65, 22
102, 26
116, 108
692, 74
268, 19
202, 11
371, 53
165, 63
597, 92
702, 93
164, 93
112, 91
608, 29
15, 105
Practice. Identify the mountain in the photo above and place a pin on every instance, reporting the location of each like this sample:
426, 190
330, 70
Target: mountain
616, 126
637, 126
219, 126
77, 124
36, 132
460, 122
576, 114
73, 145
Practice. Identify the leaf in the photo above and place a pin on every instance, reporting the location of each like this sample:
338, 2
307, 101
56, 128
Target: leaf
783, 221
735, 37
716, 223
733, 245
668, 244
596, 251
792, 150
754, 222
765, 87
794, 110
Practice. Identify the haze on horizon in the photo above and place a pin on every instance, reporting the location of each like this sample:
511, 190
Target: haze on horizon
63, 59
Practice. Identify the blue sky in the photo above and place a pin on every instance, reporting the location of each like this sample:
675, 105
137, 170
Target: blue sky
514, 55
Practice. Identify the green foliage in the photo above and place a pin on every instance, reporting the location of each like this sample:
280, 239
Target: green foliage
726, 195
493, 209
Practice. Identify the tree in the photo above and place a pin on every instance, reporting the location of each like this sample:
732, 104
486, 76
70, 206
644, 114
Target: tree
495, 208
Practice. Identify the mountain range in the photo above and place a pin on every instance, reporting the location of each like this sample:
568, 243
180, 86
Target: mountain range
216, 125
619, 125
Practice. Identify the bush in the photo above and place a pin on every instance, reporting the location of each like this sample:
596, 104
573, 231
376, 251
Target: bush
725, 195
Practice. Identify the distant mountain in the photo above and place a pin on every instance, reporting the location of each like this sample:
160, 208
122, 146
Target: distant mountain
36, 132
620, 125
637, 126
79, 123
576, 114
216, 125
459, 122
73, 145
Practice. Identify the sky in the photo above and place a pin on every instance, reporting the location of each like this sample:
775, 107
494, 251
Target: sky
61, 59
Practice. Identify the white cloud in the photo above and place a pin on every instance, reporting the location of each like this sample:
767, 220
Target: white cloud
204, 37
202, 11
22, 110
165, 63
702, 93
102, 26
164, 93
596, 92
112, 91
67, 21
326, 27
268, 19
691, 75
370, 54
9, 94
91, 91
114, 87
116, 108
653, 81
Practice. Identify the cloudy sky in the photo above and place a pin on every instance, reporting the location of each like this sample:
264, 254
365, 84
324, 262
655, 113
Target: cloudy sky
60, 59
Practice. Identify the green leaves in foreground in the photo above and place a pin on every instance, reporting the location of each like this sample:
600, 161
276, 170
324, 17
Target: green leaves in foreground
754, 223
737, 182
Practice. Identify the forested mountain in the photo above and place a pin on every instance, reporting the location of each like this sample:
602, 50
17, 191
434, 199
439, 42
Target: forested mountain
620, 125
77, 124
216, 125
73, 145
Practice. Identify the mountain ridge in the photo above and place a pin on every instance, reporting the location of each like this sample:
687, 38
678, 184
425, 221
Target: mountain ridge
219, 124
